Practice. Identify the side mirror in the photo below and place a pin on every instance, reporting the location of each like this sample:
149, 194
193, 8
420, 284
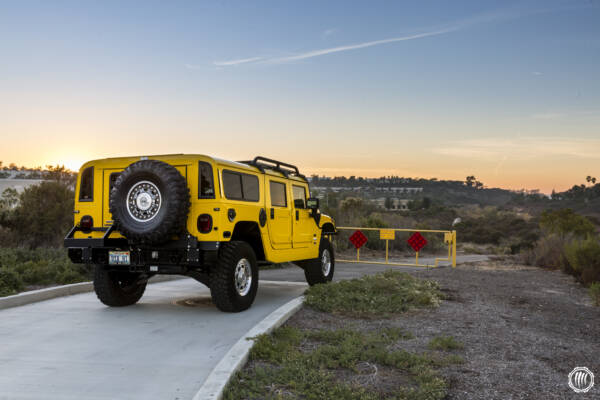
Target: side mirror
312, 203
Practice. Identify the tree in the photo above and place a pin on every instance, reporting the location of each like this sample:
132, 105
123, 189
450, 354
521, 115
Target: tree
470, 181
43, 215
590, 179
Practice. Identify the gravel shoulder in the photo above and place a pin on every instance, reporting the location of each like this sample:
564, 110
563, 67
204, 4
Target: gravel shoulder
523, 330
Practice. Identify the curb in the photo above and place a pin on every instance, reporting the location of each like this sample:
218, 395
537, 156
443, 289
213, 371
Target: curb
35, 296
236, 357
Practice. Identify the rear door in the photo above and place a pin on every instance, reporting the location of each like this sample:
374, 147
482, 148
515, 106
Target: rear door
279, 214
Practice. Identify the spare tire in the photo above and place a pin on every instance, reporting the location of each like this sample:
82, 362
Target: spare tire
150, 202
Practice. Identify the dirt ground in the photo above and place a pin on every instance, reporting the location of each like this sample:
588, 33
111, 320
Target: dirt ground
523, 329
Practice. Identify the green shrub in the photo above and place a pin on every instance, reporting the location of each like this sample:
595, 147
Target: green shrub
548, 252
595, 293
584, 257
444, 343
39, 267
10, 283
565, 221
380, 294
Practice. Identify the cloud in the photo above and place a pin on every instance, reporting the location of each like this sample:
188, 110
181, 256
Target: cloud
506, 14
536, 73
237, 62
322, 52
522, 148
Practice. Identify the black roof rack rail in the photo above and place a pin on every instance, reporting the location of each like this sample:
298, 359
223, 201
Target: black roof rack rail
263, 162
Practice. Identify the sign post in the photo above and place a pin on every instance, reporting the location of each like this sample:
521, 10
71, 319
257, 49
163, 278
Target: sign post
387, 235
417, 242
358, 239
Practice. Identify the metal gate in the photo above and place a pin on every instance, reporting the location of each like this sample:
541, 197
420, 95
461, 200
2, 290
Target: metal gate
388, 234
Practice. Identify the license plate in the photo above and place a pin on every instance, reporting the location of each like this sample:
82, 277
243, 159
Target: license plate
118, 258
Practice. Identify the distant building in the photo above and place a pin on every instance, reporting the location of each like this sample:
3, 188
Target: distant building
396, 204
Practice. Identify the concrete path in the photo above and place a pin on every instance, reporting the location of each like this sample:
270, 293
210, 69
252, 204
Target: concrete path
161, 348
164, 347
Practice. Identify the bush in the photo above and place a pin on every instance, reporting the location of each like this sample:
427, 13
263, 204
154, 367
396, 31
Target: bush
380, 294
584, 258
595, 293
565, 221
499, 227
549, 252
10, 283
38, 267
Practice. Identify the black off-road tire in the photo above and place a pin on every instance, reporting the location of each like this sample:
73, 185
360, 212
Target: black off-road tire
117, 288
171, 217
222, 277
313, 269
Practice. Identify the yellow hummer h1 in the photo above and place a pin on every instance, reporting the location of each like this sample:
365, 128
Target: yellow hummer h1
210, 219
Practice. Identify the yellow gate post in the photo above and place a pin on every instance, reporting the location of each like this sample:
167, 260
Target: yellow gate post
453, 249
386, 251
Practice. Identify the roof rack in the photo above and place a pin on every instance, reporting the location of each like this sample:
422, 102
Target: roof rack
262, 162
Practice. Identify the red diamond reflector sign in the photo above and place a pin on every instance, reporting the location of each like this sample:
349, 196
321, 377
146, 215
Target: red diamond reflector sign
358, 239
417, 241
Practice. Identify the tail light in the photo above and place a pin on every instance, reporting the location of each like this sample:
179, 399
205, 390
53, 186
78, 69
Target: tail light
205, 223
86, 223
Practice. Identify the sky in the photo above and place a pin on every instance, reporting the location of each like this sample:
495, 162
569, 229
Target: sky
508, 91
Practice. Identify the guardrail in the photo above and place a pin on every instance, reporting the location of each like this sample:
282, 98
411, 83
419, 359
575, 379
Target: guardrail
388, 234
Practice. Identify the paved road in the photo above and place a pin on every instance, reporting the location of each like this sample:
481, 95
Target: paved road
354, 270
161, 348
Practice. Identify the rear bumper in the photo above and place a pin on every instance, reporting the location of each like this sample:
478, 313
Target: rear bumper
186, 252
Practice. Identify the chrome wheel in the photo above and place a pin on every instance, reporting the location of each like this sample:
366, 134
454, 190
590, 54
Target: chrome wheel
243, 277
326, 262
143, 201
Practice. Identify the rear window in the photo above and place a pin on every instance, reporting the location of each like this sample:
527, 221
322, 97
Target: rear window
238, 186
278, 197
206, 188
86, 185
112, 179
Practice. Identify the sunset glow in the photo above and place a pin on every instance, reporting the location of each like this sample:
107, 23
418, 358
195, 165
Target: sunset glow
506, 91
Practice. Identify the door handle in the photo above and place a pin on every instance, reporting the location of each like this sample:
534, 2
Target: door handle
272, 213
297, 215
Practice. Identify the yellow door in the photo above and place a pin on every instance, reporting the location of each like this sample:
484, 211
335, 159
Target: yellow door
279, 215
304, 225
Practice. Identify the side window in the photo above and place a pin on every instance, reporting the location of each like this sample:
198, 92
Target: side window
206, 188
238, 186
278, 196
232, 184
86, 187
299, 196
250, 187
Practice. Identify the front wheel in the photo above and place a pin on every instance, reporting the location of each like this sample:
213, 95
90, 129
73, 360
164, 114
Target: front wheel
118, 288
320, 270
234, 280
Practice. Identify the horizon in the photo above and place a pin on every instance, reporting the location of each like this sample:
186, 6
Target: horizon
4, 165
507, 91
